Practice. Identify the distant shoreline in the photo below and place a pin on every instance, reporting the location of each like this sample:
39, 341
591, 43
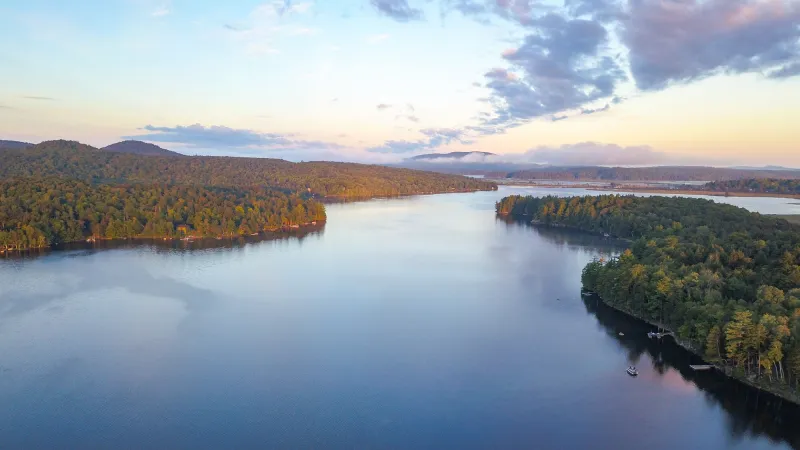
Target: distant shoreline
791, 218
90, 241
701, 192
653, 190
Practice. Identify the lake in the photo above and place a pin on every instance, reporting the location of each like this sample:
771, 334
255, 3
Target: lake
419, 322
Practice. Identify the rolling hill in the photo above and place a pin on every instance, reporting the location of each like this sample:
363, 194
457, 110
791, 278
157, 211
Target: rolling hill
139, 148
13, 144
71, 159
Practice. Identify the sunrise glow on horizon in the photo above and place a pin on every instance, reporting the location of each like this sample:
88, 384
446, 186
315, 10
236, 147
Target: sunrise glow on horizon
650, 81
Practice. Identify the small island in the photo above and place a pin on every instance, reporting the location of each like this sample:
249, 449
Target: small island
724, 280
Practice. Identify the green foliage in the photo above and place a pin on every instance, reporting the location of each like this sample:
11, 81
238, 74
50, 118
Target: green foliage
327, 179
39, 212
723, 278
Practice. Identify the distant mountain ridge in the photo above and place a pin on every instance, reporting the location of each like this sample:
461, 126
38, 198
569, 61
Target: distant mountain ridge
132, 147
71, 159
764, 168
492, 166
653, 173
14, 144
451, 155
139, 148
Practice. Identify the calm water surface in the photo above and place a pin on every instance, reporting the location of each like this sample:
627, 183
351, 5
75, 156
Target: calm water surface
422, 322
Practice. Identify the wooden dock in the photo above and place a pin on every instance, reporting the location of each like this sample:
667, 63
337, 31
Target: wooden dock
701, 367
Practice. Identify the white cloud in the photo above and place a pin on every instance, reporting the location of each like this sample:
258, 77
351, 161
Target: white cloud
303, 31
267, 24
161, 11
377, 38
300, 8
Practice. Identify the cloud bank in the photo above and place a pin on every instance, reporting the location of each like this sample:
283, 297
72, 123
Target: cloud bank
595, 154
575, 57
221, 137
398, 10
434, 137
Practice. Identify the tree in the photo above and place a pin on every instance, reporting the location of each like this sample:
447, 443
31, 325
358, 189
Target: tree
713, 344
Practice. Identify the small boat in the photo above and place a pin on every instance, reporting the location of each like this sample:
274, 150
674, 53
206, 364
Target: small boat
652, 334
632, 371
621, 333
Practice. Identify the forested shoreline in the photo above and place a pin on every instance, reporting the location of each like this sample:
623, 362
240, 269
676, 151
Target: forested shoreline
42, 212
756, 185
725, 280
64, 191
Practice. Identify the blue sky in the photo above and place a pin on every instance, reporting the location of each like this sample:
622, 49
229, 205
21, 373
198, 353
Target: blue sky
594, 81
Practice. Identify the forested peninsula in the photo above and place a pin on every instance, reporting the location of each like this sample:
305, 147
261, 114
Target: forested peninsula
63, 191
725, 280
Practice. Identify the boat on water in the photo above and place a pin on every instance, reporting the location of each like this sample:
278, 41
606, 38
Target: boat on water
652, 334
632, 371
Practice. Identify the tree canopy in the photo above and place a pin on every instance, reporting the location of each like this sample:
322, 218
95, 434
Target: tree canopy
761, 185
40, 212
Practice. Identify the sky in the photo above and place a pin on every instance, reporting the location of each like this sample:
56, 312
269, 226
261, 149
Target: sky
628, 82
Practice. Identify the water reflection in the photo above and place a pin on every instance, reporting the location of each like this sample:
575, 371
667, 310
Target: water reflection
168, 246
571, 238
75, 278
750, 412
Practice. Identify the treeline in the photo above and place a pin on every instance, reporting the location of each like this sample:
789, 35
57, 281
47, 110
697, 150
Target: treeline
661, 173
761, 185
40, 212
326, 179
724, 279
